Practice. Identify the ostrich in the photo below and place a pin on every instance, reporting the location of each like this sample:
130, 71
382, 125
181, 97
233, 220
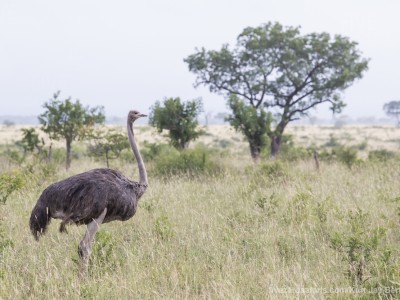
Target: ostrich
92, 198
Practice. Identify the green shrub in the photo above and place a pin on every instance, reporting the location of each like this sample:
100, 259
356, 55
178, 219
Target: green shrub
298, 209
381, 155
332, 142
268, 204
9, 183
345, 155
58, 155
359, 244
295, 153
286, 249
178, 118
189, 161
273, 170
362, 146
5, 243
14, 156
48, 170
151, 151
163, 227
103, 257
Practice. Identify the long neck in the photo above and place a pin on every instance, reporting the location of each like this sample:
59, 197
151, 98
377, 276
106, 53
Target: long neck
135, 149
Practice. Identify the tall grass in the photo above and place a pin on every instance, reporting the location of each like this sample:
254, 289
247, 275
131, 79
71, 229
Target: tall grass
252, 232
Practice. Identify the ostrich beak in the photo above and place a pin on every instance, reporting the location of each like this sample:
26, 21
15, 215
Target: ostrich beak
142, 115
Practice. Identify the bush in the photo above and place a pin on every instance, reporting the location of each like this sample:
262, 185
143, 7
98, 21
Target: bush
8, 184
333, 142
290, 152
58, 155
274, 170
179, 118
362, 146
103, 258
14, 156
381, 155
360, 245
345, 155
163, 227
190, 161
151, 151
296, 153
5, 244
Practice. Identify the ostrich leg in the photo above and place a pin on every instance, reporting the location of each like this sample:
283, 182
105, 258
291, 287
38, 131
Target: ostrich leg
85, 246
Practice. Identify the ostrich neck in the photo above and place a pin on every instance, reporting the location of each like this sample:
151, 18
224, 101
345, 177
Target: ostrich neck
135, 149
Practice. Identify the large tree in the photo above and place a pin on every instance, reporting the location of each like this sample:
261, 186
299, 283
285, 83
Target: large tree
392, 109
179, 118
65, 119
281, 70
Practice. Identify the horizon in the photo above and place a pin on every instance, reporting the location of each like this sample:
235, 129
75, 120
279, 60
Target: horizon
339, 120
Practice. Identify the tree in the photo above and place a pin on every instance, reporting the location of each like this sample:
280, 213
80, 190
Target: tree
277, 68
8, 123
108, 144
180, 118
69, 120
392, 109
30, 141
253, 123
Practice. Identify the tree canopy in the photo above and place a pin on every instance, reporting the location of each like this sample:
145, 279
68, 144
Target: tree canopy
392, 109
179, 118
65, 119
108, 144
282, 70
30, 140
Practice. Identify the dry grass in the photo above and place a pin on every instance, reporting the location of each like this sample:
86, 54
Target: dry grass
253, 232
375, 137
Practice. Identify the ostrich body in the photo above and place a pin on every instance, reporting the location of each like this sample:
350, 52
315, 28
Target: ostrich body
92, 198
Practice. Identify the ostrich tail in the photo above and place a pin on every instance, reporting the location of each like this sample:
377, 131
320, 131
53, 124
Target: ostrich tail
40, 218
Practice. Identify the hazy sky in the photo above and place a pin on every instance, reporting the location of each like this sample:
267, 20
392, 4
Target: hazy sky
127, 54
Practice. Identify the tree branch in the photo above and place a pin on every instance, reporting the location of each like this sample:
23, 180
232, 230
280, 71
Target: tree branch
302, 110
305, 81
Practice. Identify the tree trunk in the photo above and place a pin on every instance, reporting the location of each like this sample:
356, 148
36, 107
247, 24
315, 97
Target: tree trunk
255, 151
183, 144
68, 162
50, 152
107, 158
276, 142
316, 159
276, 138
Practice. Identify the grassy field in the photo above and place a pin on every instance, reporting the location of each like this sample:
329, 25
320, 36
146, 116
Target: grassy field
277, 230
370, 137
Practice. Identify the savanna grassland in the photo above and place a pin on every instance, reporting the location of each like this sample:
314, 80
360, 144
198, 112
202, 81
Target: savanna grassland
213, 225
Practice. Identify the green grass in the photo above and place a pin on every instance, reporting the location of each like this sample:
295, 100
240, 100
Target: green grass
245, 233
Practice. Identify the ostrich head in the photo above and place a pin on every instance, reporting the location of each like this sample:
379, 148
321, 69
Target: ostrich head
134, 115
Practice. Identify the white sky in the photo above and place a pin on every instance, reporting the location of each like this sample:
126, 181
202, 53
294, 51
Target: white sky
127, 54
